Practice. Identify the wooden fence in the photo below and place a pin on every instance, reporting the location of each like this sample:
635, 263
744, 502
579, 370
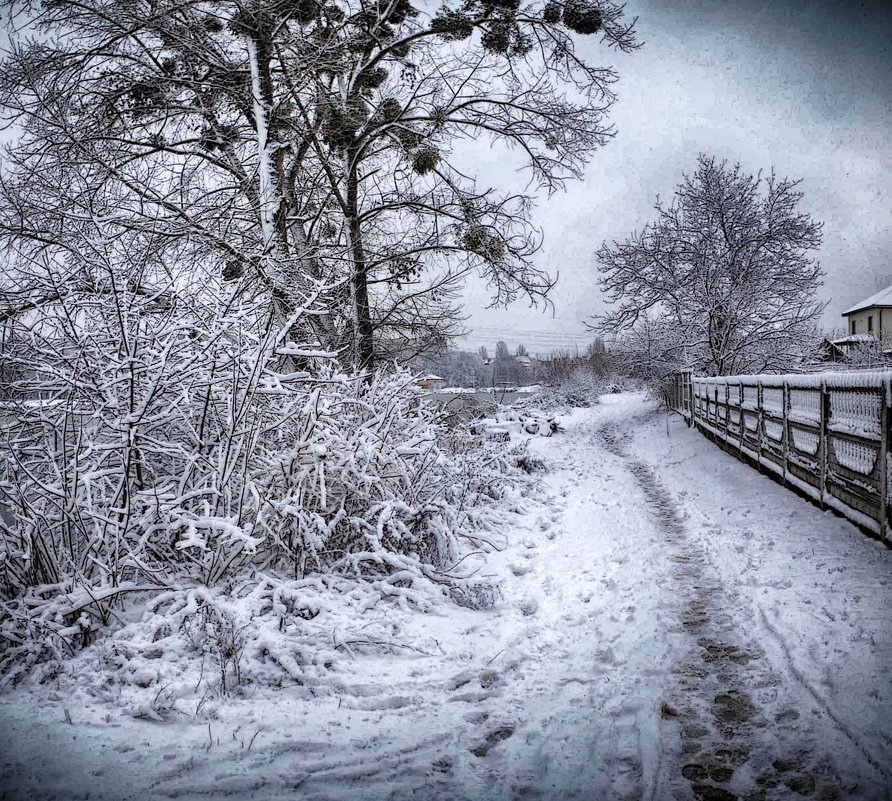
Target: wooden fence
828, 435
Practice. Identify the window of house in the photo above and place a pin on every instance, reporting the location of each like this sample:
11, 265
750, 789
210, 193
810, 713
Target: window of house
853, 324
870, 322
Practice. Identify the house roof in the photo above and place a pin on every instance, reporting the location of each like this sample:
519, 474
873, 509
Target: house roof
855, 339
881, 298
431, 377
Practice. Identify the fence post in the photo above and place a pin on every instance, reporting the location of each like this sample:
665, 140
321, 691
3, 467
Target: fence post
884, 462
759, 424
785, 405
727, 421
693, 403
825, 415
689, 396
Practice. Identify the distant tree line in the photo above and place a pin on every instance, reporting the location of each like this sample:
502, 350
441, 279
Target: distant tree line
460, 368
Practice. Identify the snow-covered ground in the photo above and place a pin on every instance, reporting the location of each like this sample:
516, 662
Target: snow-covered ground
672, 625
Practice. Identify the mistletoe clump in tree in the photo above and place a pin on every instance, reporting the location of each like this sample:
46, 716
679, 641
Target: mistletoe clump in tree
407, 86
722, 281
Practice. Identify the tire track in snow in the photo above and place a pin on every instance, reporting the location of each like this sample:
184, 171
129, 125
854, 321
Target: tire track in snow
725, 686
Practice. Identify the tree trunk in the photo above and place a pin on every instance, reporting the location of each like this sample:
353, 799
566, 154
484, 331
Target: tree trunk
273, 207
363, 335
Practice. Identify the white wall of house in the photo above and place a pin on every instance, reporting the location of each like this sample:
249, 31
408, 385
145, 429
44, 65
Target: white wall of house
880, 323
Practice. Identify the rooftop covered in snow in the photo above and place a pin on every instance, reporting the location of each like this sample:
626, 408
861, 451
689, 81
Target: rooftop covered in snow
856, 339
881, 298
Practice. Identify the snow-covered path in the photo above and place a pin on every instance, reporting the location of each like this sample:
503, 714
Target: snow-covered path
673, 625
760, 709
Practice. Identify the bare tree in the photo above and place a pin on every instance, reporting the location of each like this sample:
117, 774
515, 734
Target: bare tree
406, 87
648, 350
157, 118
505, 366
723, 274
502, 351
306, 145
596, 348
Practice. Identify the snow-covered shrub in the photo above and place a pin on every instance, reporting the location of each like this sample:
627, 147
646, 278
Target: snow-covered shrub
529, 464
519, 419
153, 449
196, 644
612, 383
370, 485
582, 389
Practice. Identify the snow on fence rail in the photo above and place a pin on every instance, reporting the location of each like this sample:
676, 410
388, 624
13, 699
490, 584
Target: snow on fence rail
826, 434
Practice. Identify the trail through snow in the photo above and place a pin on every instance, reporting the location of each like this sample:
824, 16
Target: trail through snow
672, 625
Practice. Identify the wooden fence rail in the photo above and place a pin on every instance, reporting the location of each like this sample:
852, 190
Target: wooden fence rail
828, 435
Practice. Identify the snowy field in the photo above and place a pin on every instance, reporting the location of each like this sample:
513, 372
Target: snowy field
672, 625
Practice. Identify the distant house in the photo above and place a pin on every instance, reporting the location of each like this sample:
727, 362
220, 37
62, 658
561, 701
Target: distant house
829, 352
431, 382
854, 347
871, 316
527, 364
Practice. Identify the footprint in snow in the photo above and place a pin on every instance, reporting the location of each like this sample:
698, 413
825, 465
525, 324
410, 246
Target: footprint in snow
459, 680
443, 764
787, 716
492, 739
489, 678
529, 607
472, 697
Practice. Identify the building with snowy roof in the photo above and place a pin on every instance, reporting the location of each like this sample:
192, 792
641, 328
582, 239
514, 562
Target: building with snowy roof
431, 381
527, 363
872, 315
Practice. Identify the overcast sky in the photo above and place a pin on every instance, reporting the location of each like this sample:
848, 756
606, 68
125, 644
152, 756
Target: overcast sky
803, 87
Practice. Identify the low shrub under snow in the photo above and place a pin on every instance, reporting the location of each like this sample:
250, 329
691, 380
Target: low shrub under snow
239, 549
582, 389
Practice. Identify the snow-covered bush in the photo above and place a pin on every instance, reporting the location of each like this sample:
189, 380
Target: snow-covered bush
157, 450
582, 389
613, 382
